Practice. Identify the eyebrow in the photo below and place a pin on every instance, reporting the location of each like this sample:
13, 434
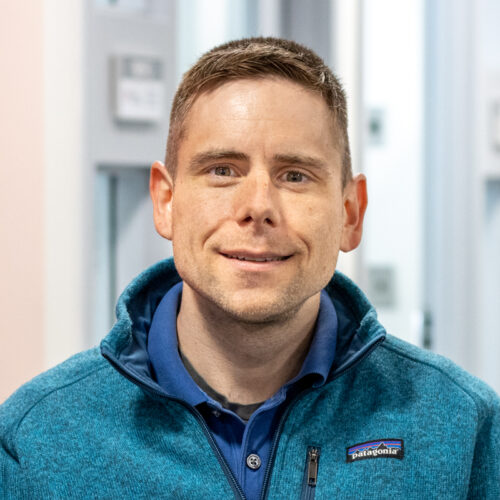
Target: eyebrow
230, 154
300, 160
216, 155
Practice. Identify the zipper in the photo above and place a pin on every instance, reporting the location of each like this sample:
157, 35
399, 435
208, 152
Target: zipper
310, 473
277, 435
312, 465
235, 486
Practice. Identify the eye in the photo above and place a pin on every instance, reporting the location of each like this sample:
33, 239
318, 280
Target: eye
295, 176
223, 171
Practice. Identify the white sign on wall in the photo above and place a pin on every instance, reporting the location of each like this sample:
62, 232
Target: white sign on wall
139, 89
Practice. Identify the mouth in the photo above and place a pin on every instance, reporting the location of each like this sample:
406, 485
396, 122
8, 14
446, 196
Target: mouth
249, 257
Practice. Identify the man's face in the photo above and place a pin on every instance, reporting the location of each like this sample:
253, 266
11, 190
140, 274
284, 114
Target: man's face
257, 210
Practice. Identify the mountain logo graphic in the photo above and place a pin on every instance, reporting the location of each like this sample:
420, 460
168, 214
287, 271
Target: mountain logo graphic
380, 448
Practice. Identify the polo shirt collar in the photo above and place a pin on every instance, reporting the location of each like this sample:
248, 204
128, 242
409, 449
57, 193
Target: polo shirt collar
170, 373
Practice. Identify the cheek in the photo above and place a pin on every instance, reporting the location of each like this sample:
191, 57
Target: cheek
184, 218
196, 214
322, 223
325, 231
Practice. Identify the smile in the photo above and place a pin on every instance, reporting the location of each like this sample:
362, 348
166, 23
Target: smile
251, 258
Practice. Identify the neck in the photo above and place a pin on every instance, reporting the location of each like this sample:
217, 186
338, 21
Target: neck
245, 362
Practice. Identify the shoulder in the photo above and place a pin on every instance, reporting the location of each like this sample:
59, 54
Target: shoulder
437, 377
74, 378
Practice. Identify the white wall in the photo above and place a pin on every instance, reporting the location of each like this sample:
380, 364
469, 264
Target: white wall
346, 48
487, 165
203, 25
462, 219
393, 84
21, 194
68, 197
44, 219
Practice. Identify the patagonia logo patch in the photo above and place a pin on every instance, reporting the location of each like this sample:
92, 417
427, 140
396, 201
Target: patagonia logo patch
380, 448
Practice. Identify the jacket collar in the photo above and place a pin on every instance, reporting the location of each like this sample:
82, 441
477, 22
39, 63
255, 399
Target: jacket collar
125, 346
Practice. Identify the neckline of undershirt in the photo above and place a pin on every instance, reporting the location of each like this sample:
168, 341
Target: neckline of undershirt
243, 411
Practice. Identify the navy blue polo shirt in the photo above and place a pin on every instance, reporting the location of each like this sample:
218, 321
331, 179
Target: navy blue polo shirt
245, 444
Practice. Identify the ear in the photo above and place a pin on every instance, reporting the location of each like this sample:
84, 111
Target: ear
355, 202
161, 189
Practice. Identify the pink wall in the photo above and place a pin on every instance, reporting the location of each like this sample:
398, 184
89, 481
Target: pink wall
21, 193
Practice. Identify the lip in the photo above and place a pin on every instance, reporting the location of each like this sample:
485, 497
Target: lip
245, 259
251, 256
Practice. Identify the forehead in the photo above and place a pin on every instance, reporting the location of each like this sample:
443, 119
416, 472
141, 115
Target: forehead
272, 112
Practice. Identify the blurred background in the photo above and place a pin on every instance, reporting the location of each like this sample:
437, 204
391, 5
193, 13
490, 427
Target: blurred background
85, 91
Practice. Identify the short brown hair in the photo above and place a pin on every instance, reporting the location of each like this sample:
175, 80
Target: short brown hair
258, 58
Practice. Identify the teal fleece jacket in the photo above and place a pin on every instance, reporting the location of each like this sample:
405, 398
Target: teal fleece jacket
392, 421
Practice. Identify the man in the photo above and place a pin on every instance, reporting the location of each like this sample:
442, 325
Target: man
250, 369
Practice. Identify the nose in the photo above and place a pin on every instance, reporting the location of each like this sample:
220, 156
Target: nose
257, 201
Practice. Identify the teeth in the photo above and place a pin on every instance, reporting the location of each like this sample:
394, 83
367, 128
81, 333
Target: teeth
256, 259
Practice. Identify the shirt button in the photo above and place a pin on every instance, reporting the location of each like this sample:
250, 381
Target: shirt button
254, 461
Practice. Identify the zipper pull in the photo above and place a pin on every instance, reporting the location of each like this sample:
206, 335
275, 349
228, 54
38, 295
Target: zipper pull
312, 466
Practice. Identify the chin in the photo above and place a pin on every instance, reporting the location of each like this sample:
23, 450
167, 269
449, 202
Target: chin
257, 309
252, 306
259, 315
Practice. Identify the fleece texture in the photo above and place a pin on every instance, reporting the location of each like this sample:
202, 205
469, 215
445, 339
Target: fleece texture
99, 426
